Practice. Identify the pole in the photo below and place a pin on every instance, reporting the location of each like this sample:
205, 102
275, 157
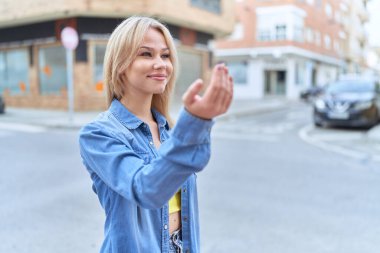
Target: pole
70, 85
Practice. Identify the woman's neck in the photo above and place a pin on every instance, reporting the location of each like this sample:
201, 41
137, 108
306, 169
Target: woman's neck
140, 107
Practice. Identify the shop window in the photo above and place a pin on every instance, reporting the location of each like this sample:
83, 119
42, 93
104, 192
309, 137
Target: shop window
99, 52
300, 73
3, 74
238, 71
52, 70
190, 69
14, 72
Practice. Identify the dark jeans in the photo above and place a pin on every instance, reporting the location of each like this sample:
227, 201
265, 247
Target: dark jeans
175, 242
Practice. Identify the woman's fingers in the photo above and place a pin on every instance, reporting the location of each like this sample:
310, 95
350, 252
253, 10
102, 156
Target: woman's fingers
217, 97
222, 90
229, 96
214, 87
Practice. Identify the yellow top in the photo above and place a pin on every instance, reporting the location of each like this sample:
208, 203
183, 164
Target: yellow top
175, 202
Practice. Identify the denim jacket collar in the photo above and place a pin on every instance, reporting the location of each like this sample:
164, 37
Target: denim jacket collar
129, 120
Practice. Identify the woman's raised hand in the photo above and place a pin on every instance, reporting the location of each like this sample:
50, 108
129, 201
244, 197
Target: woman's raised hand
217, 97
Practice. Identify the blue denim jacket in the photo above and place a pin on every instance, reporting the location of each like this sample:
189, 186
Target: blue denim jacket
134, 181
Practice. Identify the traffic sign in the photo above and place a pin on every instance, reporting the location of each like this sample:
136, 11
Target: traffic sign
69, 38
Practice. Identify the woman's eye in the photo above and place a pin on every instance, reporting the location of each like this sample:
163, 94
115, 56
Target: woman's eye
146, 54
165, 56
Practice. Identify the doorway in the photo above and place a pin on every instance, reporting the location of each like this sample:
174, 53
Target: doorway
275, 82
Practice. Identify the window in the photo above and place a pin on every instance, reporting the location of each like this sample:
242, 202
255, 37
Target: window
238, 71
338, 17
327, 41
298, 34
99, 52
209, 5
328, 10
280, 32
238, 32
264, 35
14, 71
309, 35
336, 46
52, 70
317, 38
191, 68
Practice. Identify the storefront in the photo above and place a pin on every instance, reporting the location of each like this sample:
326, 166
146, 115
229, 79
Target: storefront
33, 62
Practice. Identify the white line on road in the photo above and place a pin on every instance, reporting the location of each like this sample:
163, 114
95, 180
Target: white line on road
21, 127
304, 135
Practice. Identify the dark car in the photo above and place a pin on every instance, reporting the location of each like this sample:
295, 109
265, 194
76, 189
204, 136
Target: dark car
311, 93
348, 103
2, 105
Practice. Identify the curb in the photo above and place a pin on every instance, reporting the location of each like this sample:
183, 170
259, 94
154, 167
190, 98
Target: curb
374, 133
360, 155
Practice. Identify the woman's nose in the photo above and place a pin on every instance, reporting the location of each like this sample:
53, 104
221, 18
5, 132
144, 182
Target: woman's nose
159, 63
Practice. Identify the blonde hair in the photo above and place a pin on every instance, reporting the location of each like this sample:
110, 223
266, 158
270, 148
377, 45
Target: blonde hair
121, 51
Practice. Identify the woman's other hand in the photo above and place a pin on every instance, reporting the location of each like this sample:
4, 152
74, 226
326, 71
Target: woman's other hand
217, 97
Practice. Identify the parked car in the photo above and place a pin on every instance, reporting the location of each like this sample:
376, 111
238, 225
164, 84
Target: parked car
2, 105
311, 93
348, 103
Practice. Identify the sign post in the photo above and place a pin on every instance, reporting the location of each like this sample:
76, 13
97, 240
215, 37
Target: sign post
70, 40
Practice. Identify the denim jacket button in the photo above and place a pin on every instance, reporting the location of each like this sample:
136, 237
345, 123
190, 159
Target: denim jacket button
165, 226
151, 143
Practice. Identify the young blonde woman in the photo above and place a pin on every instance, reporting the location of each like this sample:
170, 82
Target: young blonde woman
142, 167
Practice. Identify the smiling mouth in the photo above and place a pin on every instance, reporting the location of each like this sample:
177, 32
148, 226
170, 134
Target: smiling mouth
158, 77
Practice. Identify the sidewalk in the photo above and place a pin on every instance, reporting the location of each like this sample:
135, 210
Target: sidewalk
60, 119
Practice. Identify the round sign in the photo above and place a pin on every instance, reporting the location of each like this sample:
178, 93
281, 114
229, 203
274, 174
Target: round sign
69, 38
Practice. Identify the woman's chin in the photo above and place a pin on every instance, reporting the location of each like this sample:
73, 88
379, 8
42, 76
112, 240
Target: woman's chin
160, 90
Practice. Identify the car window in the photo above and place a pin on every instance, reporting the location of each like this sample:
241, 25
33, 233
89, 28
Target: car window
339, 87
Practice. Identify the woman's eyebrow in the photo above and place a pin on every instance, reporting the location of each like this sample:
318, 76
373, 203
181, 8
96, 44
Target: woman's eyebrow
151, 49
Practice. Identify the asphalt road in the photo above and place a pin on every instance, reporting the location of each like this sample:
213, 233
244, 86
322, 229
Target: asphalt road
265, 190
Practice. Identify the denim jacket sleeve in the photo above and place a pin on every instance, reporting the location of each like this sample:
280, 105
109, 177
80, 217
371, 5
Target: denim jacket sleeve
149, 185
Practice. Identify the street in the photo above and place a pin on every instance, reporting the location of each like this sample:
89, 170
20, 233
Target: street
265, 190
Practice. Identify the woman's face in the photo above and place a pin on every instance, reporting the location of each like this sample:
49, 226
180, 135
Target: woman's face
152, 68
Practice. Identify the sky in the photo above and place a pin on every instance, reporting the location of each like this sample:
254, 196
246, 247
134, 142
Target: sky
373, 27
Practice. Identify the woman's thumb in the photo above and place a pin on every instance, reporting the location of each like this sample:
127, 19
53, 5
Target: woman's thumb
191, 93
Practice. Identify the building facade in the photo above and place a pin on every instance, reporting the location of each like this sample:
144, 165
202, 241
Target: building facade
280, 47
32, 57
356, 45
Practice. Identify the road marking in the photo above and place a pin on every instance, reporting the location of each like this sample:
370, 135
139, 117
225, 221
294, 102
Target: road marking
21, 127
304, 135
